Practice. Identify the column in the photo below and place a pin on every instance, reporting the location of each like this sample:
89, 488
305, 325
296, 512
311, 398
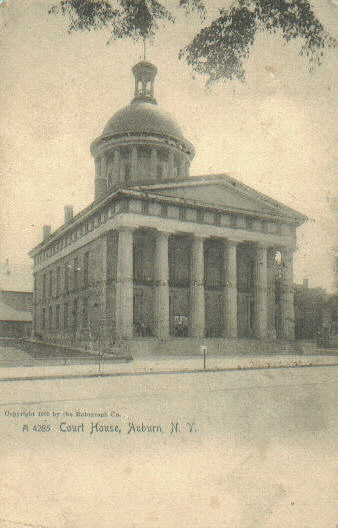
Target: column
261, 292
100, 176
181, 172
187, 166
271, 334
134, 164
97, 162
153, 164
197, 301
161, 285
124, 284
104, 167
116, 168
170, 174
287, 295
231, 289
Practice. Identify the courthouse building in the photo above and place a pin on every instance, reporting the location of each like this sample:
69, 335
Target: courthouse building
159, 254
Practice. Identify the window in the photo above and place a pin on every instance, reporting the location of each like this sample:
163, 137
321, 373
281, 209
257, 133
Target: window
213, 266
217, 219
50, 284
245, 273
179, 261
76, 272
145, 207
65, 316
127, 169
182, 213
43, 318
44, 280
249, 222
139, 262
58, 280
67, 277
86, 269
125, 204
74, 315
57, 317
200, 216
85, 312
50, 317
159, 172
164, 210
109, 178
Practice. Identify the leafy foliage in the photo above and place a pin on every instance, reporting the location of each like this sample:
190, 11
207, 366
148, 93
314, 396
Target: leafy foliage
220, 48
193, 5
135, 19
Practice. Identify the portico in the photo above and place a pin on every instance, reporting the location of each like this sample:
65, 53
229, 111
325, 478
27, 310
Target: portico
168, 293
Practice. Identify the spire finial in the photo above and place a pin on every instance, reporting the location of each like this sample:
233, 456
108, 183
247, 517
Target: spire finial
144, 48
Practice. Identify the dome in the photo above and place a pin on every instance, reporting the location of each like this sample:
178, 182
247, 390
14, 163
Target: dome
141, 143
140, 117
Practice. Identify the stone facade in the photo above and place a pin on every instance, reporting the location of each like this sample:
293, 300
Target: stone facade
160, 254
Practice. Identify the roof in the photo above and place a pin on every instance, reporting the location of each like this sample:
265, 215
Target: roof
143, 117
9, 314
264, 205
225, 191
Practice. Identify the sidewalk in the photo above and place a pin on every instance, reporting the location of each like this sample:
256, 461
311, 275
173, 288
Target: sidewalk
164, 365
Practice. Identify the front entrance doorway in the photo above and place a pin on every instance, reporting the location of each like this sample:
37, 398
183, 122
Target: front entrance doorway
213, 314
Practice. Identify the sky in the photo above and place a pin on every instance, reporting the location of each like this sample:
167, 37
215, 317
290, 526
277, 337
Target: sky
277, 132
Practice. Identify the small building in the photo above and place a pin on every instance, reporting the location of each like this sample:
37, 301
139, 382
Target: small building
15, 303
161, 254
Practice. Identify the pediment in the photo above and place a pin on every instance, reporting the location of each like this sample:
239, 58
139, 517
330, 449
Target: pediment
222, 195
217, 194
221, 190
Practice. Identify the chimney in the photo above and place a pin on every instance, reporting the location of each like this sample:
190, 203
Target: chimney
68, 213
46, 230
305, 283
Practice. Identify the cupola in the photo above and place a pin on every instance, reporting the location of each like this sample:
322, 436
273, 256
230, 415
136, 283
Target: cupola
141, 143
144, 73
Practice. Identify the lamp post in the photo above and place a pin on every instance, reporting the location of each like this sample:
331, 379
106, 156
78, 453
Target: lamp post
203, 350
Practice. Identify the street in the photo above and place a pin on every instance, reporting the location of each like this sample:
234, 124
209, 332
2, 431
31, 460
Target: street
240, 449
